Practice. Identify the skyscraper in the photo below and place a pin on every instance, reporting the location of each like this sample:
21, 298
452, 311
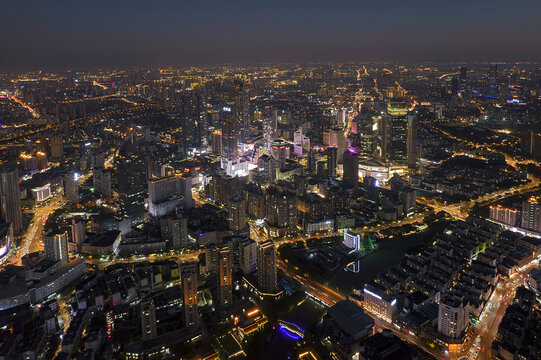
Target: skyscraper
242, 103
224, 277
332, 158
236, 213
395, 133
493, 80
413, 149
10, 197
188, 275
102, 183
266, 267
531, 214
56, 246
148, 320
78, 233
351, 170
71, 188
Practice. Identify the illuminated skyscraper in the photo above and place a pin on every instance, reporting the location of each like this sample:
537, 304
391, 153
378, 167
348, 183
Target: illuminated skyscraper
395, 133
10, 197
188, 275
266, 267
493, 80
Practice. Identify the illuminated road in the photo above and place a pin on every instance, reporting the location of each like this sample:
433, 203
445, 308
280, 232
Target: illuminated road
33, 239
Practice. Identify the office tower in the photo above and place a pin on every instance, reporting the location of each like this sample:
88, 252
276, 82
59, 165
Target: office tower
148, 320
335, 138
493, 80
266, 267
531, 214
242, 104
78, 233
413, 149
332, 158
452, 317
281, 211
368, 139
102, 183
236, 208
10, 197
280, 152
225, 281
56, 144
395, 133
188, 275
71, 188
351, 170
221, 186
56, 246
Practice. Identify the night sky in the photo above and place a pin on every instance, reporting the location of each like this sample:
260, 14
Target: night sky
72, 33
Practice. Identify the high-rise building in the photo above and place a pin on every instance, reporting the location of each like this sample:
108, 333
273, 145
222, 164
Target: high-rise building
230, 137
236, 207
71, 188
175, 230
463, 76
351, 170
413, 148
531, 214
10, 197
192, 119
148, 320
504, 215
188, 275
395, 133
332, 161
266, 267
56, 144
56, 246
493, 87
281, 211
78, 233
452, 317
225, 281
244, 253
102, 183
280, 152
242, 104
165, 194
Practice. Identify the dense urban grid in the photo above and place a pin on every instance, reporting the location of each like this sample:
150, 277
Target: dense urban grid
367, 211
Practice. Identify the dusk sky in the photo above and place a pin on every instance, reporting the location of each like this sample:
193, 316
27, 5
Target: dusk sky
69, 33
